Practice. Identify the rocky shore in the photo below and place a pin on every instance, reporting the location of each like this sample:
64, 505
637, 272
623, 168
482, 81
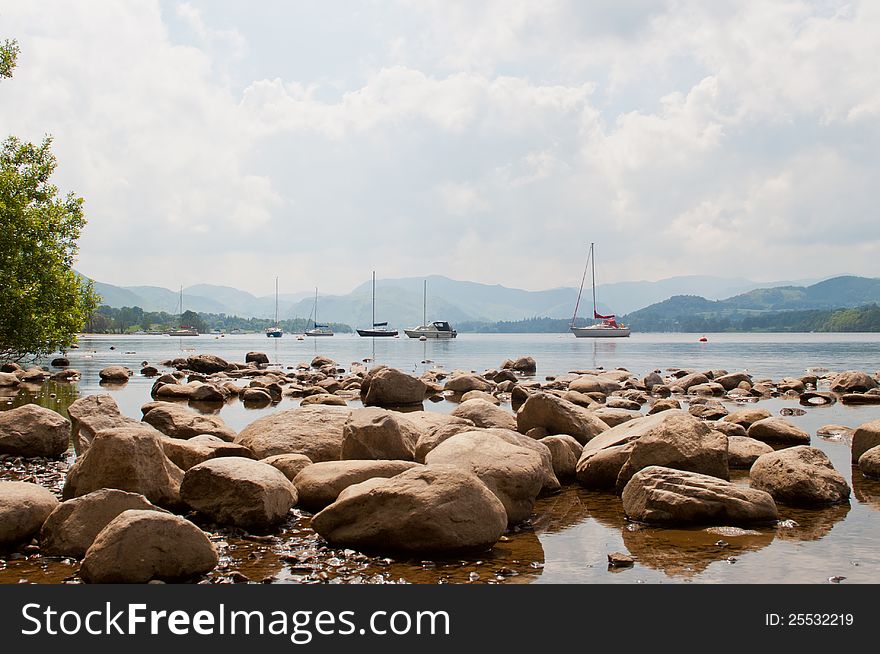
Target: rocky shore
361, 467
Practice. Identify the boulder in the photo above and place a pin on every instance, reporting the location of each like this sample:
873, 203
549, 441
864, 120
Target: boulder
480, 395
319, 484
564, 452
525, 365
91, 414
651, 380
169, 391
149, 371
322, 361
865, 437
323, 398
869, 462
485, 414
693, 379
128, 458
468, 382
814, 398
664, 405
187, 453
426, 421
420, 511
374, 433
800, 476
289, 464
256, 357
708, 411
558, 416
433, 437
256, 396
239, 492
179, 422
707, 389
582, 399
743, 451
32, 431
8, 379
60, 362
777, 430
389, 387
594, 384
860, 398
315, 431
207, 364
115, 374
853, 381
208, 393
676, 497
140, 546
73, 526
24, 508
728, 428
733, 380
746, 417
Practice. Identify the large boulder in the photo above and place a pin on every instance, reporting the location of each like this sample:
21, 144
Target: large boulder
526, 365
853, 381
374, 433
468, 382
746, 417
869, 462
676, 497
777, 430
564, 452
733, 379
319, 485
115, 374
206, 364
743, 451
558, 416
179, 422
485, 414
24, 508
800, 476
141, 546
187, 453
389, 387
32, 431
239, 492
512, 472
433, 437
315, 431
129, 458
865, 437
420, 511
594, 384
289, 464
8, 379
91, 414
256, 357
693, 379
73, 526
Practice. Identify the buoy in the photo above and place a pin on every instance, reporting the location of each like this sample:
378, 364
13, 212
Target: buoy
703, 339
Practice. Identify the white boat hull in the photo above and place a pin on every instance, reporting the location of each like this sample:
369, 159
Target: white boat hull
600, 331
418, 333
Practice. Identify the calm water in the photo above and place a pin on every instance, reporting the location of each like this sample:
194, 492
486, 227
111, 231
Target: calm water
571, 533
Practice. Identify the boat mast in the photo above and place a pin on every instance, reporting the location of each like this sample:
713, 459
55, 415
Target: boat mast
276, 301
425, 304
581, 289
374, 298
593, 259
316, 307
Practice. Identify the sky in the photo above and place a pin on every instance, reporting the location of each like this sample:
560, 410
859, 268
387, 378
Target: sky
229, 143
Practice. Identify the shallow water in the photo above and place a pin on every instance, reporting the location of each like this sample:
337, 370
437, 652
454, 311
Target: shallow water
571, 533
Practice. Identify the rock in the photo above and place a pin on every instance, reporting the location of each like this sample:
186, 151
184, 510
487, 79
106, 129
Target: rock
315, 431
34, 376
651, 380
115, 374
869, 462
433, 437
187, 453
853, 381
128, 458
256, 396
375, 433
564, 452
73, 526
746, 417
149, 371
485, 414
66, 375
175, 391
32, 431
389, 387
743, 451
426, 421
8, 379
518, 396
777, 430
792, 411
800, 476
323, 398
812, 398
620, 560
139, 546
91, 414
675, 497
707, 389
420, 511
322, 361
480, 395
558, 416
207, 364
208, 393
733, 380
664, 405
582, 399
525, 365
239, 492
179, 422
467, 382
707, 411
512, 472
594, 384
24, 508
865, 437
256, 357
289, 464
10, 367
614, 417
60, 362
860, 398
693, 379
505, 376
319, 485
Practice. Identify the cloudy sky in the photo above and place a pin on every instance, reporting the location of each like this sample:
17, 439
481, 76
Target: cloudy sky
229, 142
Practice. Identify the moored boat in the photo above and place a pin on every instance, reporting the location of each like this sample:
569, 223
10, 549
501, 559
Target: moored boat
608, 327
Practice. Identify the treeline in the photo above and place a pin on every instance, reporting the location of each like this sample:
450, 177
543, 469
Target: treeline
535, 325
128, 320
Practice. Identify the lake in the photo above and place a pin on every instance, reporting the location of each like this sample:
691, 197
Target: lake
571, 533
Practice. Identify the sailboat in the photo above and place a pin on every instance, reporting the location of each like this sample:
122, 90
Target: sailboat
276, 331
318, 329
378, 328
437, 329
182, 330
609, 327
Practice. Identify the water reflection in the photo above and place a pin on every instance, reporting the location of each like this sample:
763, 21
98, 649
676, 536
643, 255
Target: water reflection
572, 506
50, 395
811, 524
865, 490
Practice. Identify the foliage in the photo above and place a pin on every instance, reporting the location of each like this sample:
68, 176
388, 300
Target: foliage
8, 56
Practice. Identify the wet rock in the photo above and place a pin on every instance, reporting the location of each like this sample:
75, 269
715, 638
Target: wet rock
375, 433
485, 414
208, 393
480, 395
239, 492
852, 381
115, 374
558, 416
389, 387
187, 453
424, 510
73, 526
564, 452
60, 362
179, 422
207, 364
668, 497
91, 414
67, 375
467, 382
34, 376
664, 405
24, 508
800, 476
256, 357
324, 398
869, 462
8, 380
32, 431
743, 451
777, 430
315, 431
865, 437
816, 399
620, 560
128, 458
746, 417
140, 546
319, 485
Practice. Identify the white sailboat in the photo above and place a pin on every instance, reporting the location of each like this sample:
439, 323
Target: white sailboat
182, 330
318, 329
608, 327
276, 331
437, 329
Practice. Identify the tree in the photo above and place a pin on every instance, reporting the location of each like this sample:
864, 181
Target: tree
192, 319
43, 301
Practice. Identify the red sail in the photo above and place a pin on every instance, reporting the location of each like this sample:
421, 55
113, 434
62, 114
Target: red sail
600, 316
